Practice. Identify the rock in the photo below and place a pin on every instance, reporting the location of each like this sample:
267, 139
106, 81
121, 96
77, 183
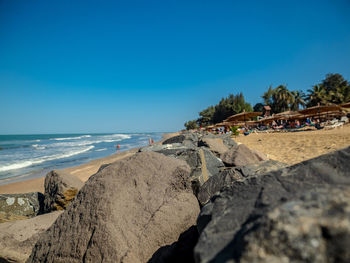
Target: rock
17, 239
202, 161
226, 139
124, 213
231, 175
166, 149
180, 251
239, 156
312, 228
225, 221
186, 139
20, 206
60, 189
216, 145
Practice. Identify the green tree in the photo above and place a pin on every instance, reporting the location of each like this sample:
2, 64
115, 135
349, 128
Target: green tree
282, 98
267, 96
317, 95
298, 99
333, 89
259, 107
231, 105
206, 116
191, 125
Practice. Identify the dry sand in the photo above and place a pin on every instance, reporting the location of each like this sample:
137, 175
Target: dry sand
288, 147
83, 172
294, 147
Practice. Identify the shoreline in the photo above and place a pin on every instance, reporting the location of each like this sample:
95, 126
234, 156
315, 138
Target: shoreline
82, 171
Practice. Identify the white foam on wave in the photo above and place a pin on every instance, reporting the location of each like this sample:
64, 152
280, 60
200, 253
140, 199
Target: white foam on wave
38, 147
100, 150
121, 136
71, 138
27, 163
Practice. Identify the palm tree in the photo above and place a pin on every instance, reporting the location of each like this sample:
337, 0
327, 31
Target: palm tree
317, 95
267, 96
298, 99
282, 98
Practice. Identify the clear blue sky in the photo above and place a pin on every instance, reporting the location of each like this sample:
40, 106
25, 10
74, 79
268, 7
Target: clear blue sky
99, 66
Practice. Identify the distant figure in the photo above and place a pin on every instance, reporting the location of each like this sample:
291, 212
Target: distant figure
150, 141
118, 147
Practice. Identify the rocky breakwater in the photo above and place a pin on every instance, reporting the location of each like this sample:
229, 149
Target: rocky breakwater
124, 213
295, 214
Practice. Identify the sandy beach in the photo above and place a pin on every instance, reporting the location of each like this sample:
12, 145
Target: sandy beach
295, 147
288, 147
83, 172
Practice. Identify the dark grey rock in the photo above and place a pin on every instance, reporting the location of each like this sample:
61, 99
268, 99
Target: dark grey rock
229, 217
314, 227
60, 189
180, 251
239, 156
228, 176
187, 139
20, 206
124, 213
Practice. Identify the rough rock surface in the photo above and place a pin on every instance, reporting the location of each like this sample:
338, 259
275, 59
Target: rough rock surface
231, 175
216, 145
239, 156
20, 206
187, 139
226, 222
124, 213
202, 161
180, 251
313, 228
226, 139
60, 189
17, 239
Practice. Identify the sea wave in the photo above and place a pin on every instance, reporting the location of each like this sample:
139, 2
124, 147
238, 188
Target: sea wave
71, 138
100, 150
38, 147
27, 163
121, 136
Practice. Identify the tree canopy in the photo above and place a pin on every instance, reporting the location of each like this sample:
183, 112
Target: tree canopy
333, 89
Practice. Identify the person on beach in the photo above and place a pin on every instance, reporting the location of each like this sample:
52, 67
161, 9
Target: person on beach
118, 147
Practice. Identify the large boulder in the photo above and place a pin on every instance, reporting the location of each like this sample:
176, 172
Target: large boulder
231, 214
216, 145
124, 213
60, 189
20, 206
187, 139
239, 156
202, 161
226, 139
17, 239
233, 174
314, 227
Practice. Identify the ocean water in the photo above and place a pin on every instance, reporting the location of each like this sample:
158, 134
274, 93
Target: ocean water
34, 155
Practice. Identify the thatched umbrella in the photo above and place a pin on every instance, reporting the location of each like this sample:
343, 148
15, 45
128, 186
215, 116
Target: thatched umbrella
317, 110
345, 105
243, 116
